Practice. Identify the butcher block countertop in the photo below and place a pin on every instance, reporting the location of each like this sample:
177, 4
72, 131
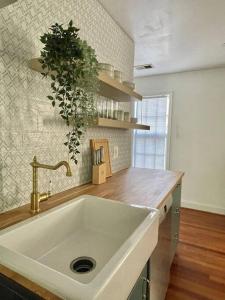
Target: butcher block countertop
133, 186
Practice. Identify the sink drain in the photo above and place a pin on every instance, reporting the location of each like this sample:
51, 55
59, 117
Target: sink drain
83, 265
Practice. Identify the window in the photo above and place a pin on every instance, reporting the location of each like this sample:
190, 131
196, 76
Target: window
150, 148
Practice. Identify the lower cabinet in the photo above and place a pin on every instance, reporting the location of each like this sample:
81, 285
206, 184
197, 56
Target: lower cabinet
175, 226
141, 288
162, 256
10, 290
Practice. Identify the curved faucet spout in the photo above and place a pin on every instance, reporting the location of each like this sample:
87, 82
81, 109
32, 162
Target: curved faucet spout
36, 164
64, 163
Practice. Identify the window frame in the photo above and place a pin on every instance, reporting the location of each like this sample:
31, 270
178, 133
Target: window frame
168, 143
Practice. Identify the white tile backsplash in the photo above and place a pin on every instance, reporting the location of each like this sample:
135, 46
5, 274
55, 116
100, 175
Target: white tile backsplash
28, 124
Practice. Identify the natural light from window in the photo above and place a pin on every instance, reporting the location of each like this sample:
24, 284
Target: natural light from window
150, 148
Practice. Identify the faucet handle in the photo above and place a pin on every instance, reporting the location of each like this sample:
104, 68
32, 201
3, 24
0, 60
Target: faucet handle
46, 196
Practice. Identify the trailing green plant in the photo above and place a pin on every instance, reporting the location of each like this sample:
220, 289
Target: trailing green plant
73, 67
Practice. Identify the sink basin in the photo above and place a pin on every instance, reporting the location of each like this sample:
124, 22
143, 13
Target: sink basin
113, 239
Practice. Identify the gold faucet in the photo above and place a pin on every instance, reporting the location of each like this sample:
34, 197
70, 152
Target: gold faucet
36, 197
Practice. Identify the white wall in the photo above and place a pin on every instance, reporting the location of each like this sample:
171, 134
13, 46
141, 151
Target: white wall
198, 133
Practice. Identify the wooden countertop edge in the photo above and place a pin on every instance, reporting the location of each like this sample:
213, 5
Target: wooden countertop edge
22, 213
161, 203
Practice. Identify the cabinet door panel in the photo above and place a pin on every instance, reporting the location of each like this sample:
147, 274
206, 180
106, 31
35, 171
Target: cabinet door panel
160, 260
10, 290
175, 219
140, 289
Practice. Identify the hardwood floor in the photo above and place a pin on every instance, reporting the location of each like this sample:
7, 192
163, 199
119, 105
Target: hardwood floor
198, 270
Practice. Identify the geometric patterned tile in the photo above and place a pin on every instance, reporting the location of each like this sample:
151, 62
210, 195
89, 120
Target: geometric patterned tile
28, 124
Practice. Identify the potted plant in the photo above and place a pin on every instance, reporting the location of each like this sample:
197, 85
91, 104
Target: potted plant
73, 67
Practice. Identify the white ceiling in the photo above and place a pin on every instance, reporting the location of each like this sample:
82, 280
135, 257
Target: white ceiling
173, 35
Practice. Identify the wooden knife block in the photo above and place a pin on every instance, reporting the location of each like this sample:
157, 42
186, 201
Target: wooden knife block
99, 173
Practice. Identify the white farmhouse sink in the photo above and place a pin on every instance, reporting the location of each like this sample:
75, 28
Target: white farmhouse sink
120, 238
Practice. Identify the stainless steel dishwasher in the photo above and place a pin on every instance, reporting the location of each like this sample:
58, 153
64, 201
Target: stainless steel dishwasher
160, 260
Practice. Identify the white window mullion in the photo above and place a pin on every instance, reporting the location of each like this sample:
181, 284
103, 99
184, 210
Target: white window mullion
150, 148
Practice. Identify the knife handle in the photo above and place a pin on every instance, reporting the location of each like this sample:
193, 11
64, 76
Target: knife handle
101, 154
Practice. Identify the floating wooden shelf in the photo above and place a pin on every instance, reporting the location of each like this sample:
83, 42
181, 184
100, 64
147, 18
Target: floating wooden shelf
109, 87
113, 89
120, 124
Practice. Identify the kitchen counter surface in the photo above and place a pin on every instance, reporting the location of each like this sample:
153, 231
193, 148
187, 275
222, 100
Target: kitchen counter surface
133, 186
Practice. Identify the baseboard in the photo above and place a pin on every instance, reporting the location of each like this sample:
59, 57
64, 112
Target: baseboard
203, 207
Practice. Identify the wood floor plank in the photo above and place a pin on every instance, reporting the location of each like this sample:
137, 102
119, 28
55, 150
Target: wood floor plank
198, 270
200, 237
199, 259
176, 293
203, 219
